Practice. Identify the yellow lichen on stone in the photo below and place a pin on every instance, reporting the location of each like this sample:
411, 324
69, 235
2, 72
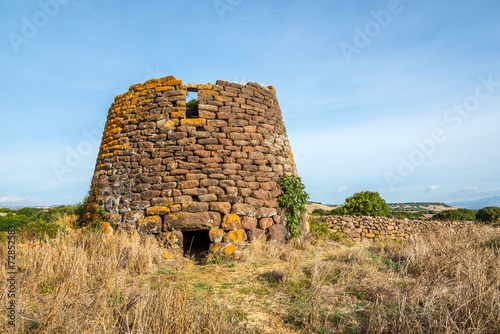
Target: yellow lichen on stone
107, 228
150, 220
216, 234
216, 248
173, 82
157, 210
163, 88
228, 250
167, 256
230, 218
194, 121
178, 112
235, 236
171, 240
201, 86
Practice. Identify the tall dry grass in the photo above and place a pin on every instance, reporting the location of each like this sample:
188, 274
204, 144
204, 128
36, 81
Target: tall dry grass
452, 285
444, 282
92, 283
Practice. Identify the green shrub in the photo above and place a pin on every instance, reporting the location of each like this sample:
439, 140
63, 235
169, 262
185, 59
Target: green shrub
337, 211
12, 220
28, 212
488, 214
320, 229
365, 203
40, 229
294, 199
456, 215
54, 214
79, 208
320, 212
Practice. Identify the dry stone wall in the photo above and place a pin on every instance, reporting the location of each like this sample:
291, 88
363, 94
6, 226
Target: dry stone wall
162, 173
361, 227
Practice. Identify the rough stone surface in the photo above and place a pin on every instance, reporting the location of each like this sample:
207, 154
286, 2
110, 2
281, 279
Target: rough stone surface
160, 172
278, 233
371, 228
255, 233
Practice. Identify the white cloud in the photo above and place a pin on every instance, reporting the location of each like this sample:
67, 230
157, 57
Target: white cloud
471, 189
342, 189
432, 188
13, 199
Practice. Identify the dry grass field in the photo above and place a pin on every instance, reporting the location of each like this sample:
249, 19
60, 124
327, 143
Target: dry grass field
94, 283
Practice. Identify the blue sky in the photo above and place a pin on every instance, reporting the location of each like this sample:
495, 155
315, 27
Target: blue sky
399, 97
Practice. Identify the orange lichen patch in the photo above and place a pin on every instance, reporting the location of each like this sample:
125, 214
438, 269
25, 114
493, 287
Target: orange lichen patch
167, 78
216, 234
107, 228
114, 131
114, 217
178, 113
173, 82
115, 147
216, 248
157, 210
231, 218
163, 88
166, 124
235, 236
208, 92
171, 240
136, 86
227, 250
150, 220
194, 121
222, 249
290, 155
270, 88
207, 86
167, 256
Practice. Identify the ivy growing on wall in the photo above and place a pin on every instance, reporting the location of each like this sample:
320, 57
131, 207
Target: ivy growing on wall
294, 199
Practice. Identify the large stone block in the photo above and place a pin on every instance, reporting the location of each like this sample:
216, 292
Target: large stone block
150, 225
189, 221
243, 209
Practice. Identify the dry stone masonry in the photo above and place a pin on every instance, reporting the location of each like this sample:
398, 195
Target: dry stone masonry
371, 228
214, 177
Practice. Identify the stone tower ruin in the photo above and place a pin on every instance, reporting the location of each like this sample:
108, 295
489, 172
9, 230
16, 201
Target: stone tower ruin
212, 175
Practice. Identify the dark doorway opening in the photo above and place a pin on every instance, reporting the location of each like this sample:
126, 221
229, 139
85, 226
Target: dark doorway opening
196, 243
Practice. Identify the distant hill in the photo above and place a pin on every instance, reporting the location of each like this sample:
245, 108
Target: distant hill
478, 203
422, 207
311, 206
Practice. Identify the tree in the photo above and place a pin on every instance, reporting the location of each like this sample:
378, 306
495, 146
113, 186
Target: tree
455, 215
488, 214
366, 203
192, 109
